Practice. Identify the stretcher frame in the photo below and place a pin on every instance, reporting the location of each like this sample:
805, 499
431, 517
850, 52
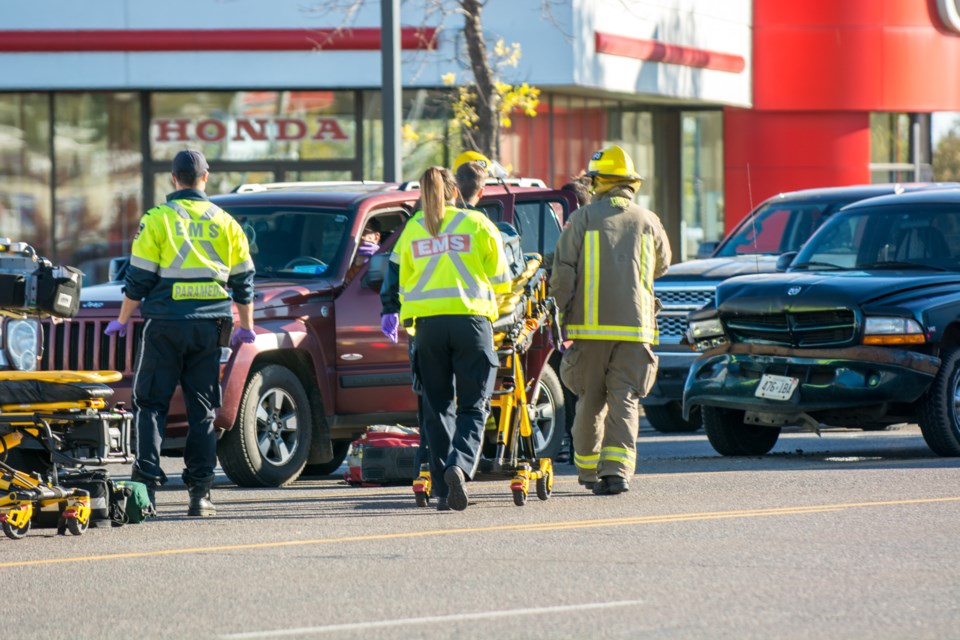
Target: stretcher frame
524, 312
49, 423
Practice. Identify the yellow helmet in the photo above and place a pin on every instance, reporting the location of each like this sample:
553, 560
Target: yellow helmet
613, 162
471, 156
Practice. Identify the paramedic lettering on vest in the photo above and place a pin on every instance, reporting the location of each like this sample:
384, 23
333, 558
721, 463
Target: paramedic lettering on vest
187, 251
603, 270
452, 267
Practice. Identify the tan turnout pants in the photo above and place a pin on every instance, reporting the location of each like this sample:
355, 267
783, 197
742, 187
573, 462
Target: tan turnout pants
609, 378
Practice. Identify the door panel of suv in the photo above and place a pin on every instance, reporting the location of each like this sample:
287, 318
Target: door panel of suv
365, 358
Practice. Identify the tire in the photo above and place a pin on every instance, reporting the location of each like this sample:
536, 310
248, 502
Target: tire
519, 497
548, 417
939, 407
15, 533
269, 444
731, 437
668, 418
75, 527
340, 448
543, 488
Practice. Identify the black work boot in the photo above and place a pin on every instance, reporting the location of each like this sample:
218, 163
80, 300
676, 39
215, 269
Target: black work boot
200, 503
611, 486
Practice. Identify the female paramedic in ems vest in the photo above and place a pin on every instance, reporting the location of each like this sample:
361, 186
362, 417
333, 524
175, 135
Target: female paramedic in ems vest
452, 267
185, 255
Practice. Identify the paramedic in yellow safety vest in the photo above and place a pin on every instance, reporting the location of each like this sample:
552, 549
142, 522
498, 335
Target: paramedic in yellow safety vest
452, 267
186, 254
603, 270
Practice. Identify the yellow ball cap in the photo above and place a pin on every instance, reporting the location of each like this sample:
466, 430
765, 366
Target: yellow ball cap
612, 162
471, 156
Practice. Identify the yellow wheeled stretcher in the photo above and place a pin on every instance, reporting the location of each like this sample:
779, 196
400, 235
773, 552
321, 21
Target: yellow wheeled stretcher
49, 420
61, 418
524, 313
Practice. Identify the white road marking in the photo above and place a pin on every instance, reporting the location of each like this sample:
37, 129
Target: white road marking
379, 624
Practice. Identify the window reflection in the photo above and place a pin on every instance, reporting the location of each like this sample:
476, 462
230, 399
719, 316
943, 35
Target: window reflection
98, 178
25, 207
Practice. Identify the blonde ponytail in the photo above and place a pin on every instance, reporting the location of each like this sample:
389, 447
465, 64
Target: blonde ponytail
437, 188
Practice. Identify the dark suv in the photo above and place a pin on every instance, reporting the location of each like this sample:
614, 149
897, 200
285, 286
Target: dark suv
320, 371
779, 225
863, 330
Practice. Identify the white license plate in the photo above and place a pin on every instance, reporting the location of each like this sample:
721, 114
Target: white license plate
776, 387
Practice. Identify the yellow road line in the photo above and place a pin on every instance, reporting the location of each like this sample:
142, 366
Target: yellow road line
542, 526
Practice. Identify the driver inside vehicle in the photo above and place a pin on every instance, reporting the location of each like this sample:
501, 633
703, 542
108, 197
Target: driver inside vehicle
369, 245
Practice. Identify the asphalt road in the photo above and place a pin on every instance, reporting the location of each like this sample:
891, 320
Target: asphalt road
851, 535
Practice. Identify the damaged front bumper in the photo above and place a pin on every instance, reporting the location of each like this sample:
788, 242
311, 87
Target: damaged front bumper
829, 379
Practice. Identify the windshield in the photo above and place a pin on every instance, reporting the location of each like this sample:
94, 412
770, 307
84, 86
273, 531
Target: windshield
892, 237
777, 227
295, 243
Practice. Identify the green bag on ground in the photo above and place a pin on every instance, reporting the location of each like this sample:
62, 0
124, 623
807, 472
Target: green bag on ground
138, 507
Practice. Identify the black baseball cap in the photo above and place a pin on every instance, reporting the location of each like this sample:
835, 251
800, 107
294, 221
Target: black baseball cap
190, 163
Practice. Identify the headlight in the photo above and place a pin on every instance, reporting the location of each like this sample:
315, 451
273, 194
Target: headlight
702, 329
22, 342
884, 330
705, 334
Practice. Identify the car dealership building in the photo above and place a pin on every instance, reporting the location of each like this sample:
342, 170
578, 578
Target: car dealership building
720, 102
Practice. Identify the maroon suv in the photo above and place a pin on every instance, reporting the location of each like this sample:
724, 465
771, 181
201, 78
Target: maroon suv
319, 371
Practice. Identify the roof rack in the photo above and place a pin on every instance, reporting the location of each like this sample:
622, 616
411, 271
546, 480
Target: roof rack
253, 187
414, 185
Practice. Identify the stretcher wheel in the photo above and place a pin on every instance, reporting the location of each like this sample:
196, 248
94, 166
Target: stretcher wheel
75, 527
519, 497
543, 488
423, 500
15, 533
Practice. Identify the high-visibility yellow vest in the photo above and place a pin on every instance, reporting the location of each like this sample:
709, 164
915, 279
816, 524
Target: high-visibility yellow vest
193, 247
458, 272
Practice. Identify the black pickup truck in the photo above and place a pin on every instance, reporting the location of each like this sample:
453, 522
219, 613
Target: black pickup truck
778, 225
862, 330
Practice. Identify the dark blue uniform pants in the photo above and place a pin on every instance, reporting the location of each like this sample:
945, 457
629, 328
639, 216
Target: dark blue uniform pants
184, 352
457, 363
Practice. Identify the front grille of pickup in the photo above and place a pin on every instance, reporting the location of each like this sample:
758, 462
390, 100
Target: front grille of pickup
677, 303
675, 326
685, 298
80, 345
827, 328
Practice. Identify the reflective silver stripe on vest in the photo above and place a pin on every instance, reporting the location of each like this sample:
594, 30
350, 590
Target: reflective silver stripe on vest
243, 267
183, 213
220, 275
143, 263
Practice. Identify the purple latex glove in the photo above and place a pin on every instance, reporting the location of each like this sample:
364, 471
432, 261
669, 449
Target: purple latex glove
116, 328
367, 248
242, 336
389, 324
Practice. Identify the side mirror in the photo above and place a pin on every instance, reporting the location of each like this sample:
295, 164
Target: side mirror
706, 249
376, 271
118, 269
784, 260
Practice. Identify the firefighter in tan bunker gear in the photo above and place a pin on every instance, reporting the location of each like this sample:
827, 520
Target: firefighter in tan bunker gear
603, 271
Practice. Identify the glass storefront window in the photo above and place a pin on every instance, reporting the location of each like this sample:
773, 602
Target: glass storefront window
254, 125
702, 166
98, 178
25, 200
427, 133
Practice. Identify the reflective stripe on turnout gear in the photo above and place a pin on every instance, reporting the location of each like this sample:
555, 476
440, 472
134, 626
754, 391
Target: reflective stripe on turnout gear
586, 462
619, 455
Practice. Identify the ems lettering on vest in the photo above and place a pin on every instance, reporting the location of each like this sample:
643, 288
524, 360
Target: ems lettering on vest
198, 291
444, 243
198, 229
